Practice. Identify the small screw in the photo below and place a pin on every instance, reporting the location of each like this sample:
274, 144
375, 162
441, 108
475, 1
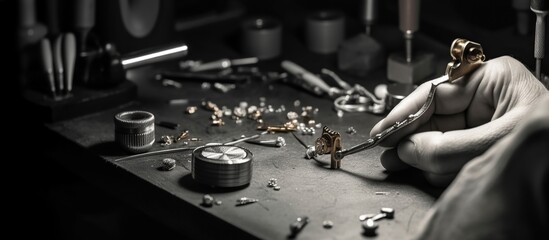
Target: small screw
245, 200
388, 213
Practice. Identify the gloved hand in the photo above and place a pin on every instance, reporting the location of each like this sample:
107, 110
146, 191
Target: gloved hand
466, 118
502, 194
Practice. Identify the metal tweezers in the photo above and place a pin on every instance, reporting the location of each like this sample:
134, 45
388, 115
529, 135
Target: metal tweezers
466, 57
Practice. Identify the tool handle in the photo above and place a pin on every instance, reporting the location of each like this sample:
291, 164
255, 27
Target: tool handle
408, 11
539, 40
69, 55
305, 75
58, 62
45, 47
369, 11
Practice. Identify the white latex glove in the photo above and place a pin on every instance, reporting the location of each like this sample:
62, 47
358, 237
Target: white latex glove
466, 118
502, 194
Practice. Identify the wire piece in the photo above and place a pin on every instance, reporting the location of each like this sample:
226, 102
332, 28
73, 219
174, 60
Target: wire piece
245, 201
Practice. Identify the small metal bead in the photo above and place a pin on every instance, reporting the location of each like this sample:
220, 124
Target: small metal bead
207, 200
168, 164
277, 188
191, 109
292, 115
311, 152
206, 85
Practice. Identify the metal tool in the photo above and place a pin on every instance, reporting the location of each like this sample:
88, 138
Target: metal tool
213, 77
246, 200
409, 22
347, 98
181, 149
540, 8
69, 57
369, 14
466, 57
103, 66
278, 142
58, 63
309, 77
222, 64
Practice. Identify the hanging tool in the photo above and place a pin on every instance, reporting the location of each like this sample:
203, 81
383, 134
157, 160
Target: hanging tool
369, 14
181, 149
47, 61
466, 57
409, 22
540, 8
69, 58
410, 67
58, 61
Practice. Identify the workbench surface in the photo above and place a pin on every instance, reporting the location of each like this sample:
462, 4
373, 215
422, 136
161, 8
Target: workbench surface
86, 146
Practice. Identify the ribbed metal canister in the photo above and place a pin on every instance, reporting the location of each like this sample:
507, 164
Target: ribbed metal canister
134, 130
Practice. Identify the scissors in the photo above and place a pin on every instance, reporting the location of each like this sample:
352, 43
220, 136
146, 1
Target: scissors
466, 57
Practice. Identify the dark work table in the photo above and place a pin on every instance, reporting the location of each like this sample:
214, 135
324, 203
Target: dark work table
63, 154
85, 145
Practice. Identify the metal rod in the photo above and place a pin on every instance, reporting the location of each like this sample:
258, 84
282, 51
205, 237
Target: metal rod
148, 56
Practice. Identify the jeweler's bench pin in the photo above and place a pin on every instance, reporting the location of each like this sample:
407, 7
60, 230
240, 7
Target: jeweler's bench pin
466, 57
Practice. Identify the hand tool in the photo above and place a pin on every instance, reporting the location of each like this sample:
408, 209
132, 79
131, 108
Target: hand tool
466, 57
540, 8
412, 67
369, 14
223, 63
58, 63
47, 61
69, 57
409, 22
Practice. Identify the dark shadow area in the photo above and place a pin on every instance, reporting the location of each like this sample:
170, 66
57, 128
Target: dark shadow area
108, 149
414, 177
411, 176
189, 183
64, 206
